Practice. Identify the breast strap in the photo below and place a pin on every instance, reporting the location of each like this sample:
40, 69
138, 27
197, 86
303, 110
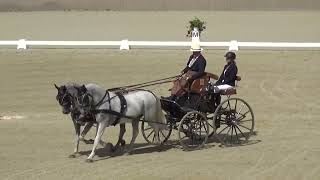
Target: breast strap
123, 108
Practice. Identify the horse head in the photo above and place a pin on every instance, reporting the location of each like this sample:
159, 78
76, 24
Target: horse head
84, 103
64, 99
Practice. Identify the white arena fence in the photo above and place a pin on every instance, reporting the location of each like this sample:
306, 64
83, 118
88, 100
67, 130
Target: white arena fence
126, 45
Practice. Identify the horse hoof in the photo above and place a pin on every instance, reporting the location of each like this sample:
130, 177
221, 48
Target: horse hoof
123, 143
114, 149
72, 156
89, 160
90, 141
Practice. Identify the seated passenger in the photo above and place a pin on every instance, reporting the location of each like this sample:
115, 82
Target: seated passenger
228, 76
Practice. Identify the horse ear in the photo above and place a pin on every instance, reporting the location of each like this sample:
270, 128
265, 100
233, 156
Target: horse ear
83, 88
64, 88
56, 87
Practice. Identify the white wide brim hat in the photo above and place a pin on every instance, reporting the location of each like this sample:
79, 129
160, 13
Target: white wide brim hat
195, 46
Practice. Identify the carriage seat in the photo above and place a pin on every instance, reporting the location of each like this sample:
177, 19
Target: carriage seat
228, 92
231, 91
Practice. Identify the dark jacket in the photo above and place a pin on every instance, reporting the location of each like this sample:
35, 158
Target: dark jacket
228, 75
198, 66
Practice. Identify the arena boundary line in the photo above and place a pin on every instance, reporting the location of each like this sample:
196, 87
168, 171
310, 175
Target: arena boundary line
126, 44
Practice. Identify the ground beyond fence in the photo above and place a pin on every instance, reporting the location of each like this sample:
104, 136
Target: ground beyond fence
29, 5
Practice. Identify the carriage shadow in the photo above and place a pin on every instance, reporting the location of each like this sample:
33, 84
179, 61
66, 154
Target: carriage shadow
214, 140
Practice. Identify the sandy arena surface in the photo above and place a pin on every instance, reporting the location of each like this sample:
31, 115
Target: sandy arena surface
281, 86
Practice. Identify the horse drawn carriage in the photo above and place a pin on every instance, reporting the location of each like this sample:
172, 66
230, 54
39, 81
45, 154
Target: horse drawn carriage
198, 115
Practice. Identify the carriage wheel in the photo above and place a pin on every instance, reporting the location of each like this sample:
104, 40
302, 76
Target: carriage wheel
193, 130
236, 120
149, 134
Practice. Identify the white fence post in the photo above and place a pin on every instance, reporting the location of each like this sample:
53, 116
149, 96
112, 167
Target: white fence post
124, 45
22, 44
234, 46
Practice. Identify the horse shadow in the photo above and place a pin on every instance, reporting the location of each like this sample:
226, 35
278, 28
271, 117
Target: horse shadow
139, 148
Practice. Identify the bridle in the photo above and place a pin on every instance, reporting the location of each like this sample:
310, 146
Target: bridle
65, 100
85, 101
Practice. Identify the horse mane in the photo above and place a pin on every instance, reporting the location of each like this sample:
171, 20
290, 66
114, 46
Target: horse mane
71, 88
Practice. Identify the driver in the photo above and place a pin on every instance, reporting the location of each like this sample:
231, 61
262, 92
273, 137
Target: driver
195, 68
196, 63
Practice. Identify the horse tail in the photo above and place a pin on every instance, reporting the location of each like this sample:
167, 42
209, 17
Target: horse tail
161, 119
154, 115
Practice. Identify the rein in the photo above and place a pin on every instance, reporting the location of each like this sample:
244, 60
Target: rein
145, 84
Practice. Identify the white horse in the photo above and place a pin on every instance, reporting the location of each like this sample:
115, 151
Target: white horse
140, 104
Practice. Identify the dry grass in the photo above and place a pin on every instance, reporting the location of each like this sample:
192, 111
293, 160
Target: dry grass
282, 88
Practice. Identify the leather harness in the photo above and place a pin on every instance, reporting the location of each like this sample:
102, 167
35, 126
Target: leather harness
118, 115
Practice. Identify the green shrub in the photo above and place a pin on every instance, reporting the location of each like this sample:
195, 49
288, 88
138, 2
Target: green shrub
196, 22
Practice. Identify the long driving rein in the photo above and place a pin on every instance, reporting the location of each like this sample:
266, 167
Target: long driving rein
119, 91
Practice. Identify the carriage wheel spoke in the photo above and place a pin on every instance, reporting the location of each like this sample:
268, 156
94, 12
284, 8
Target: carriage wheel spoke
154, 135
235, 130
242, 116
224, 138
244, 127
211, 125
192, 138
241, 132
245, 121
229, 105
200, 127
205, 128
240, 109
163, 134
223, 129
235, 106
231, 134
147, 128
150, 133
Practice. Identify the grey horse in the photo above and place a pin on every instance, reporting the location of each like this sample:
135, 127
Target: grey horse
106, 105
66, 98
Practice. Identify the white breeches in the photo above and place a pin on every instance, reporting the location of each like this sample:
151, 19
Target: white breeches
219, 88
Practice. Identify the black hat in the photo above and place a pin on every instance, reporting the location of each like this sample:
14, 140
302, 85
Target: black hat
230, 55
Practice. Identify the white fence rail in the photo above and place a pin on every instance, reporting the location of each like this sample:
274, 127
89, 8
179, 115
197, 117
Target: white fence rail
125, 44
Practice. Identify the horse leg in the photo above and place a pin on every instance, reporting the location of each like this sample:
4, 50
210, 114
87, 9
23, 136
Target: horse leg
76, 148
135, 132
157, 137
121, 141
91, 141
101, 128
84, 132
